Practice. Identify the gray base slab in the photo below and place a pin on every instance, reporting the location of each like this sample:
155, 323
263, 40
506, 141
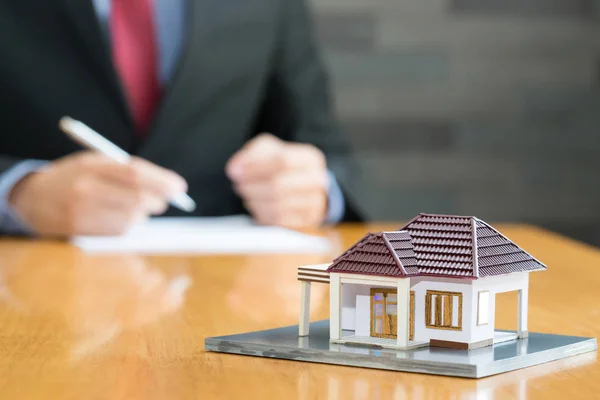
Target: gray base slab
284, 343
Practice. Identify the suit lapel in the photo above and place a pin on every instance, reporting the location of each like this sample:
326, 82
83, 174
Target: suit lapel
95, 48
174, 101
88, 35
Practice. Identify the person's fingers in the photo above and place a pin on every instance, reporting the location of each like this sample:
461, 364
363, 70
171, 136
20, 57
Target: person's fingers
274, 217
84, 194
295, 211
291, 205
287, 184
96, 190
141, 176
106, 221
105, 193
155, 205
267, 213
258, 158
301, 156
272, 161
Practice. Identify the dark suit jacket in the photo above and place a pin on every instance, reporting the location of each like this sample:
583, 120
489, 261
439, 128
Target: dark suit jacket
247, 67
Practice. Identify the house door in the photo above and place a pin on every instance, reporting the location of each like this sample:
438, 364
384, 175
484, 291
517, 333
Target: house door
384, 313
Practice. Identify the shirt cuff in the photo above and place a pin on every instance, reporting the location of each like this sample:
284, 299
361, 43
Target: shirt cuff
337, 203
10, 223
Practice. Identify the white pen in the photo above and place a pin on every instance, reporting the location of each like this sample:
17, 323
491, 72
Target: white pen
92, 140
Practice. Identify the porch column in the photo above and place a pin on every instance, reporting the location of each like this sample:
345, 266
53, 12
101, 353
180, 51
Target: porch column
304, 308
523, 300
403, 311
335, 307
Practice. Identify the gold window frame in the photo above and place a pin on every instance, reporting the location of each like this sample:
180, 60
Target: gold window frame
441, 316
372, 303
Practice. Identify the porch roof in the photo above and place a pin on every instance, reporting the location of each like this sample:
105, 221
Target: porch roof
314, 273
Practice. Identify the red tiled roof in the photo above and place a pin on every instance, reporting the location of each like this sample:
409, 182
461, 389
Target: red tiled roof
496, 255
382, 254
443, 244
438, 245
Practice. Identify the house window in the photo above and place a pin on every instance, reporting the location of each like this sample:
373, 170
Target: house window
443, 310
483, 308
384, 313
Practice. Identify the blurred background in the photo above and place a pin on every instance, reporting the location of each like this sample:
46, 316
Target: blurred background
479, 107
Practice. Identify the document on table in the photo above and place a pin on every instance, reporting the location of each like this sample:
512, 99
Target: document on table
231, 235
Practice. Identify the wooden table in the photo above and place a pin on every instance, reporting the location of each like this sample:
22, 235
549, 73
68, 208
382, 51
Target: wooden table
76, 326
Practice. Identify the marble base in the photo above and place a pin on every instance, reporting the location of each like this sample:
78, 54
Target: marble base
284, 343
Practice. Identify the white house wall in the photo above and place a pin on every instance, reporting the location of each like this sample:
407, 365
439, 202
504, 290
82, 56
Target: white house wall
350, 292
363, 315
356, 301
495, 285
420, 286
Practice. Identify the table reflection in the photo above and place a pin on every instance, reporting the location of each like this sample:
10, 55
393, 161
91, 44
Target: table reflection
97, 298
339, 383
259, 278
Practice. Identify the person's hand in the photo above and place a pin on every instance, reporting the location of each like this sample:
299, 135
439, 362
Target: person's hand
89, 194
281, 183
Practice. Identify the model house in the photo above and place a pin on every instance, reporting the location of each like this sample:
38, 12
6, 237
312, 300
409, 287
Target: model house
433, 282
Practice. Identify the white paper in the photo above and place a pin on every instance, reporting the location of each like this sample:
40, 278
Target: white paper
228, 235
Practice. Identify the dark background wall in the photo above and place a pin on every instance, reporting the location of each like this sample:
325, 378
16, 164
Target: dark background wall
480, 107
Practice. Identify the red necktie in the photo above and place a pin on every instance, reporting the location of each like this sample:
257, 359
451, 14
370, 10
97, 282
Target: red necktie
134, 56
